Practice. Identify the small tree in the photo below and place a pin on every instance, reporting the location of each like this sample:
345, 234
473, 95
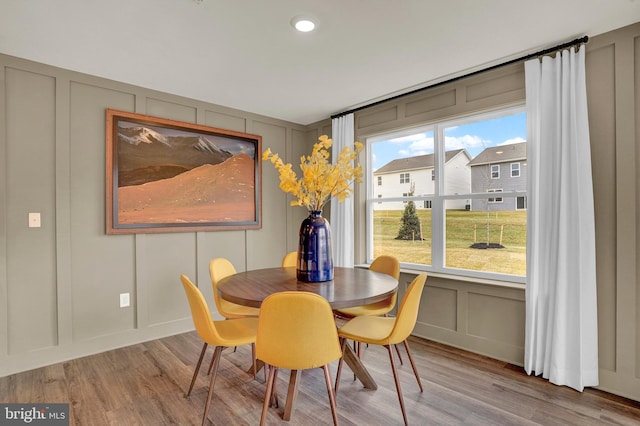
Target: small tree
410, 222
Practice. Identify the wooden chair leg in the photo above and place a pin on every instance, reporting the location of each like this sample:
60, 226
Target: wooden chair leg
357, 347
253, 358
413, 364
217, 354
397, 380
332, 397
211, 364
292, 394
342, 347
274, 390
195, 373
267, 394
399, 356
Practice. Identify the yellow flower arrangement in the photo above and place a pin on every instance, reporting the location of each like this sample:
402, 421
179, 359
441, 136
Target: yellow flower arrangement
320, 180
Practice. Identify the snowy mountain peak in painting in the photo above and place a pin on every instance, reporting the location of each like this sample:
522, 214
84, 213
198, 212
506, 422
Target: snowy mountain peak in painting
205, 145
138, 135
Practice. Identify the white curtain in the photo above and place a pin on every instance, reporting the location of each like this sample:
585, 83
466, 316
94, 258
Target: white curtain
341, 220
561, 341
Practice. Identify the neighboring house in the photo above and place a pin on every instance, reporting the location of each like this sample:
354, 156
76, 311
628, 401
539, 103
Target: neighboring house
500, 169
398, 177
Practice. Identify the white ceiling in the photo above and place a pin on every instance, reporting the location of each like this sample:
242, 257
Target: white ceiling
244, 53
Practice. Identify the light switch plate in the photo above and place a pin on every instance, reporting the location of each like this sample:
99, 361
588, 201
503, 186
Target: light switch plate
124, 300
34, 220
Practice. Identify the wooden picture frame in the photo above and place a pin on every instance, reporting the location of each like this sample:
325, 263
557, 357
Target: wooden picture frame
170, 176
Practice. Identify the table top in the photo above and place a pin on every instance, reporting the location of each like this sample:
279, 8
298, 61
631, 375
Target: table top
350, 286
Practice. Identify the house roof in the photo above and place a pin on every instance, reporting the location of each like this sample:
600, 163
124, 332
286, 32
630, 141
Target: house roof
417, 162
501, 154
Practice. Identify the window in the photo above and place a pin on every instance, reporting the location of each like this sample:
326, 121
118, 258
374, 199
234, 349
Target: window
515, 169
456, 226
495, 171
379, 180
496, 199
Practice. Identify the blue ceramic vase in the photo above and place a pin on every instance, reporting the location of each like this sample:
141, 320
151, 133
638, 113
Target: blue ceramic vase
315, 263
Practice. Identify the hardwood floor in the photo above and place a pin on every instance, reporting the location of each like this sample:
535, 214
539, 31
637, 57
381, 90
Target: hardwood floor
144, 384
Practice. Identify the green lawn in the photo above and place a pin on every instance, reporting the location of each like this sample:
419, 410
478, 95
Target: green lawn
506, 227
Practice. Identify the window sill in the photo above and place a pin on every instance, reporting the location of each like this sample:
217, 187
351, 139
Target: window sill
454, 277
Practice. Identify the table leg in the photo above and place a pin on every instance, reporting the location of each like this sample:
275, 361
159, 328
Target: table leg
354, 363
259, 366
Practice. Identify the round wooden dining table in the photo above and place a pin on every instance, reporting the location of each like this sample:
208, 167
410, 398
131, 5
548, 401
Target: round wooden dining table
349, 287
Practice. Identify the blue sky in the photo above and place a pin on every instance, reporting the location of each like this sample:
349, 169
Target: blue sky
474, 137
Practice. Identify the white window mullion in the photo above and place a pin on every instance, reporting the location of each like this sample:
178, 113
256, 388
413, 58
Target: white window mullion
438, 213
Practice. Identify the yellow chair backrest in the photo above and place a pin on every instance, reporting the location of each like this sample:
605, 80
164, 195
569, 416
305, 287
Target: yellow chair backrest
219, 268
200, 312
408, 310
290, 259
297, 331
387, 265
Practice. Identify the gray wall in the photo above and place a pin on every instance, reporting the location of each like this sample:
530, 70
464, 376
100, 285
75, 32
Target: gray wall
489, 319
59, 284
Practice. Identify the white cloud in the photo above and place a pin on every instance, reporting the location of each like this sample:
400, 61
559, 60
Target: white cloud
424, 145
512, 141
466, 141
408, 138
412, 145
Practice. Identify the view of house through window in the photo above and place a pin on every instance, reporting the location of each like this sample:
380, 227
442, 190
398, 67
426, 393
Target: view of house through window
451, 196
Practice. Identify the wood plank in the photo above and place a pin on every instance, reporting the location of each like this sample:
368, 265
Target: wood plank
145, 384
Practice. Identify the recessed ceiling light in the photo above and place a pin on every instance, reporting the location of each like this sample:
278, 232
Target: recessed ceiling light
303, 23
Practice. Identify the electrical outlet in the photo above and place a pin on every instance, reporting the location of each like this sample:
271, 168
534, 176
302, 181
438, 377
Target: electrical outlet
124, 300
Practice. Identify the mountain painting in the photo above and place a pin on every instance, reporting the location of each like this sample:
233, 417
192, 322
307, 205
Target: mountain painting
167, 178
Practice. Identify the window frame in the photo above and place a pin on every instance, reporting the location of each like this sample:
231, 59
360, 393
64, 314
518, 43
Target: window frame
438, 199
494, 200
497, 172
516, 163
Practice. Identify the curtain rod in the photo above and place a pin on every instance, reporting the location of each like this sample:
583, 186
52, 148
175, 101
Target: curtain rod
575, 42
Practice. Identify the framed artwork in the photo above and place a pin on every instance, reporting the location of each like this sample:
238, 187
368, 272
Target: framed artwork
171, 176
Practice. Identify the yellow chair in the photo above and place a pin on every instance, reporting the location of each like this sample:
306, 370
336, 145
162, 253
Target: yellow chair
296, 331
220, 268
387, 265
235, 332
290, 259
387, 331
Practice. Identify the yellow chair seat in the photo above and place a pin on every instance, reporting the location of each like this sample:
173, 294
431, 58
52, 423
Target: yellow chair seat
374, 309
370, 330
240, 331
233, 310
387, 265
